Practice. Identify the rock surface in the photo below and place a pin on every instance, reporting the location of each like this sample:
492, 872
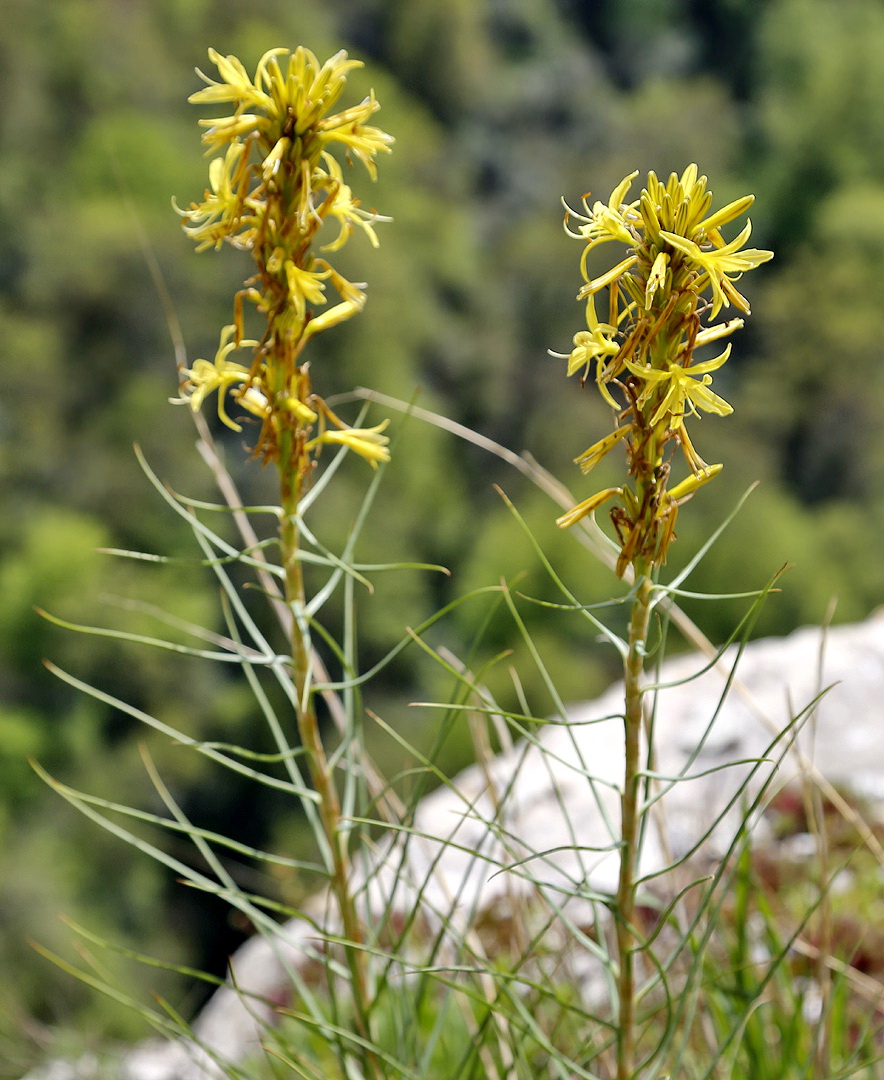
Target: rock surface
556, 801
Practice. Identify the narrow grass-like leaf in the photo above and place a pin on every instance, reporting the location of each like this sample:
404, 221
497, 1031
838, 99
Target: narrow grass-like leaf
180, 736
247, 656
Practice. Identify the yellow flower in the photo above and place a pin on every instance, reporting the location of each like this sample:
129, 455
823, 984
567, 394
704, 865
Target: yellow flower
369, 443
595, 343
235, 87
204, 378
684, 389
719, 263
305, 287
350, 129
218, 216
590, 345
340, 204
605, 222
352, 302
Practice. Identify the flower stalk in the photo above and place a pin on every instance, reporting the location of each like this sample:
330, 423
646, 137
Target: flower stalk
626, 931
275, 189
677, 273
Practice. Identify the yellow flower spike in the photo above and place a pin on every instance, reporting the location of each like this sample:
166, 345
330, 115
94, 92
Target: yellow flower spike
369, 443
278, 110
658, 298
732, 259
581, 510
275, 182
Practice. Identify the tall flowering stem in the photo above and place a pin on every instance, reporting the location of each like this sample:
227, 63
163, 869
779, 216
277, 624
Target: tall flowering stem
645, 318
277, 191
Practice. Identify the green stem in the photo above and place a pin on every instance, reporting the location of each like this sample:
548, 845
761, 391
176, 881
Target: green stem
627, 935
320, 771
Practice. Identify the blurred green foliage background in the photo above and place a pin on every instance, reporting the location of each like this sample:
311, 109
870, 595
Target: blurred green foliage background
499, 108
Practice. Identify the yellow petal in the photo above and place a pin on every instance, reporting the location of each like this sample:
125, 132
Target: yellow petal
618, 195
